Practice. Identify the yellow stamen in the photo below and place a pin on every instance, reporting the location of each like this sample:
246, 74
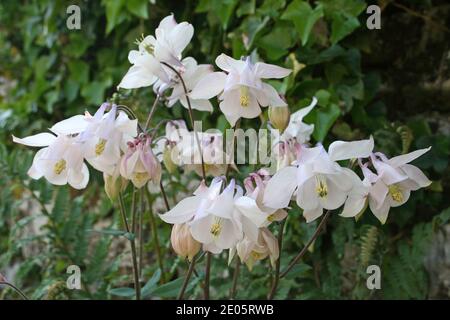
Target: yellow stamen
100, 147
256, 255
244, 98
271, 217
140, 177
321, 187
59, 166
396, 193
216, 227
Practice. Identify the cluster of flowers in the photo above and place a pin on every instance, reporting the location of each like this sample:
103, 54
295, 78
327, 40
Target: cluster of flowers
221, 216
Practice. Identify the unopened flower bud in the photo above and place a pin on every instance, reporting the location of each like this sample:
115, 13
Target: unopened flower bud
167, 159
279, 117
182, 241
113, 185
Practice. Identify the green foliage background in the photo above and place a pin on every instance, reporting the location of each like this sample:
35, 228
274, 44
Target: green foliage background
392, 83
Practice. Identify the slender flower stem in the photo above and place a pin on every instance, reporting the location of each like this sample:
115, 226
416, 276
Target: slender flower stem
207, 275
137, 285
155, 237
191, 116
24, 297
305, 249
152, 111
277, 267
187, 278
163, 192
140, 231
235, 278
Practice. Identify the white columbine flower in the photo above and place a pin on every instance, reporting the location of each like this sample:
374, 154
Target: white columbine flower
192, 73
243, 92
210, 215
395, 180
60, 162
318, 181
296, 128
102, 136
170, 39
250, 251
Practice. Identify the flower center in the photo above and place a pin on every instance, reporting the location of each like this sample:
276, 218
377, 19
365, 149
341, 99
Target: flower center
256, 255
100, 147
244, 98
271, 217
59, 166
140, 177
321, 186
396, 193
216, 227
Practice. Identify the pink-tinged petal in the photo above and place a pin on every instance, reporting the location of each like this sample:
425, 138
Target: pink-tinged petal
250, 229
201, 229
378, 192
79, 179
229, 64
298, 116
209, 86
73, 125
406, 158
311, 215
248, 207
36, 171
180, 36
137, 77
380, 211
183, 211
38, 140
223, 204
307, 198
168, 23
335, 197
354, 205
341, 150
416, 175
274, 99
389, 174
279, 189
270, 71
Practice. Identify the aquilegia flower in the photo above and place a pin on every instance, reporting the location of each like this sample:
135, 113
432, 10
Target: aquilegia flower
318, 181
170, 39
243, 91
60, 162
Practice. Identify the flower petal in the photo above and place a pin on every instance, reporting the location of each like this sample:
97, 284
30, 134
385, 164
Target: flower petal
209, 86
406, 158
341, 150
183, 211
280, 187
38, 140
229, 64
270, 71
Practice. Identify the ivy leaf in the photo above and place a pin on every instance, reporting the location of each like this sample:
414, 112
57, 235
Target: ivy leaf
138, 8
342, 25
113, 11
303, 17
324, 120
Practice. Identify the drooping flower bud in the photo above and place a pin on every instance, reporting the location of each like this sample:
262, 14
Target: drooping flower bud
167, 158
279, 117
114, 184
182, 241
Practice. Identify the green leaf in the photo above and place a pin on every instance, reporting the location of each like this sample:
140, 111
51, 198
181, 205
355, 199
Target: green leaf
277, 42
122, 292
138, 8
113, 11
342, 26
303, 17
172, 288
324, 120
150, 286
